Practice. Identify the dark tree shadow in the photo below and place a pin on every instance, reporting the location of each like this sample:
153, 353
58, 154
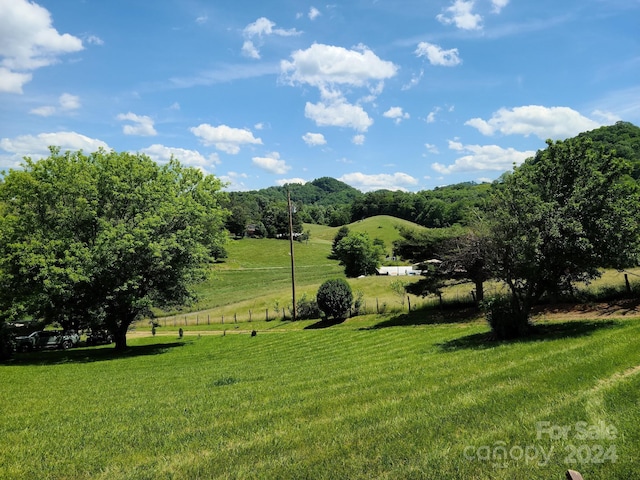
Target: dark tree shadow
551, 331
429, 316
89, 355
325, 323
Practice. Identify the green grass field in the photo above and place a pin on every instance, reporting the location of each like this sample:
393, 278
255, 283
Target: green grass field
423, 395
365, 399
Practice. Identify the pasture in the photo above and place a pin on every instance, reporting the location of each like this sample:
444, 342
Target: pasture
424, 395
375, 397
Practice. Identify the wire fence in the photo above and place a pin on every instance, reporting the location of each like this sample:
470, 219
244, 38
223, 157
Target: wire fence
367, 307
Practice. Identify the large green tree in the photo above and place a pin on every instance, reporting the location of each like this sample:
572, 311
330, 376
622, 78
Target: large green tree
559, 217
359, 254
104, 237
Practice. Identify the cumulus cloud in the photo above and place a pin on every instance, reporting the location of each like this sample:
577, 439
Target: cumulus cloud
224, 138
364, 182
339, 113
140, 125
324, 65
460, 13
271, 163
37, 146
396, 114
498, 5
358, 139
67, 102
544, 122
482, 158
28, 41
438, 56
257, 31
314, 13
193, 158
250, 50
314, 139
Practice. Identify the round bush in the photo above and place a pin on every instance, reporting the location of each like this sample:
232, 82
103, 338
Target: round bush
504, 320
335, 298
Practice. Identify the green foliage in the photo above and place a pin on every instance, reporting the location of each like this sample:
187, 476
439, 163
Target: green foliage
358, 254
504, 318
105, 237
334, 298
560, 216
342, 233
307, 308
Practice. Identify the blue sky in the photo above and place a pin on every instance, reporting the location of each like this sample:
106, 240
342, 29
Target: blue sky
380, 94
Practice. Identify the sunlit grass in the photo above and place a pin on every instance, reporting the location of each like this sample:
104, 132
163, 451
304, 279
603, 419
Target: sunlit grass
351, 401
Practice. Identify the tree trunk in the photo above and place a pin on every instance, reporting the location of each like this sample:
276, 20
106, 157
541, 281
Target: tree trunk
479, 291
120, 337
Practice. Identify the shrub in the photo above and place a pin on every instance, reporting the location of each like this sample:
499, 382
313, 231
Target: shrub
334, 298
505, 321
306, 308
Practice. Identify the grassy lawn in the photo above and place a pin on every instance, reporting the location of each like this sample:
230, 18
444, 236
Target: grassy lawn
375, 397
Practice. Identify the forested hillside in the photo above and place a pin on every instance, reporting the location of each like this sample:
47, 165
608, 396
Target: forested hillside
327, 201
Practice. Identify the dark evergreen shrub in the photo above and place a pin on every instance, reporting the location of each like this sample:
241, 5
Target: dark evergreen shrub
335, 298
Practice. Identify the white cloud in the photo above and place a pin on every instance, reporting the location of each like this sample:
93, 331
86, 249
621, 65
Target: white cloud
193, 158
364, 182
324, 65
37, 146
249, 50
415, 80
66, 101
271, 163
432, 115
314, 13
69, 102
498, 5
544, 122
314, 139
358, 139
28, 41
234, 181
285, 181
338, 114
262, 27
12, 82
607, 117
202, 19
45, 111
431, 148
141, 125
482, 158
437, 56
396, 114
460, 13
224, 138
94, 40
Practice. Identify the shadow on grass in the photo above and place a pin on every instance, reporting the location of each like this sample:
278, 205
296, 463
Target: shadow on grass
551, 331
325, 324
429, 316
88, 355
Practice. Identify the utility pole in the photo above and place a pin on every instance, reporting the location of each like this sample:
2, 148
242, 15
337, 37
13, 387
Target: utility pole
293, 262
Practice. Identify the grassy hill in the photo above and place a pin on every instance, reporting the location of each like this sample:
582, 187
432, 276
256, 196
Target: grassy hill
383, 227
256, 275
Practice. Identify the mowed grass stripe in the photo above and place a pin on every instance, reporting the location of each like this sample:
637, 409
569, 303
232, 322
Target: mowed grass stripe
397, 402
